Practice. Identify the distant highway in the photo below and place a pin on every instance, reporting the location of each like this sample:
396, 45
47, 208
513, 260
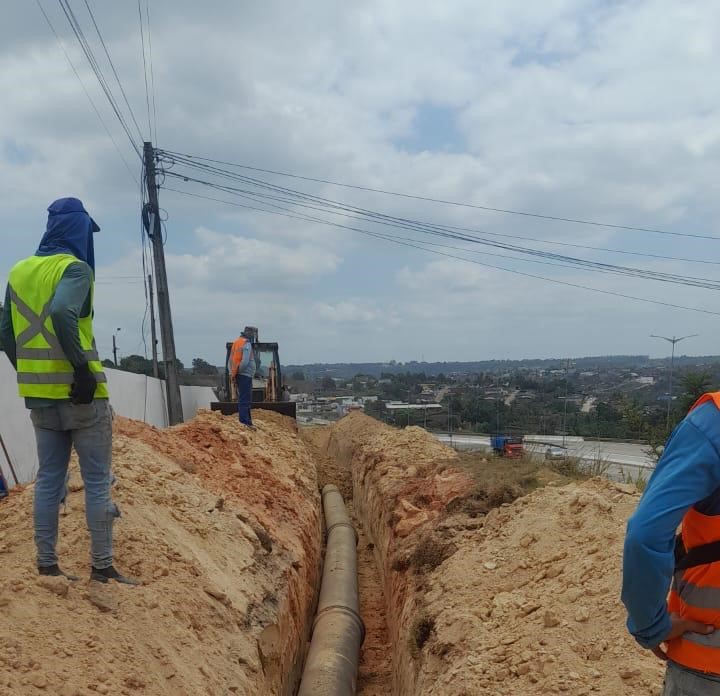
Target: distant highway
621, 456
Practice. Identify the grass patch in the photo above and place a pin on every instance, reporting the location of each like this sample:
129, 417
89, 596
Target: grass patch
498, 473
430, 552
420, 633
639, 480
484, 497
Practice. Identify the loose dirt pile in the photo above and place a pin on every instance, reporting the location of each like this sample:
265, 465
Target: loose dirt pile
485, 593
221, 524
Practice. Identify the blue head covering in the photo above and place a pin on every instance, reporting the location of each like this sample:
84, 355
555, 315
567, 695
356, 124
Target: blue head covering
69, 231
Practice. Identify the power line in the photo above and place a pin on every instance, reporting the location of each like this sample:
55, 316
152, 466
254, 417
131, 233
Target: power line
145, 70
300, 198
182, 159
87, 94
460, 258
112, 66
436, 230
152, 71
507, 211
92, 60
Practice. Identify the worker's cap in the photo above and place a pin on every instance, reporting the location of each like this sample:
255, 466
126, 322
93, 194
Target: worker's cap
249, 331
69, 206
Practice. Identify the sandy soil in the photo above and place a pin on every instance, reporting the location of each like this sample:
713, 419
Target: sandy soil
221, 524
486, 593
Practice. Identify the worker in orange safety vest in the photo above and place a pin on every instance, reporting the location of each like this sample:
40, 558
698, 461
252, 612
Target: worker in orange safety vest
680, 627
241, 365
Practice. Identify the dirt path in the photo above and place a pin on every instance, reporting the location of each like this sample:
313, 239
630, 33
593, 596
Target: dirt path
375, 669
375, 673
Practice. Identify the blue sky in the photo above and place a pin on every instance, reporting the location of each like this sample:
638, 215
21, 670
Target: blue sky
597, 110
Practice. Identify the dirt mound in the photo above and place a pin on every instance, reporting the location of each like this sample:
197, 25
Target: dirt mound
541, 611
221, 525
487, 592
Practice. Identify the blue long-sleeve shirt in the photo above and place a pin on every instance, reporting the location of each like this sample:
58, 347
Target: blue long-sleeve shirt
687, 474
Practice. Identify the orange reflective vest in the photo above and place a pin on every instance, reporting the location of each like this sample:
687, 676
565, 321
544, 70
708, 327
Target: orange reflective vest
236, 355
695, 592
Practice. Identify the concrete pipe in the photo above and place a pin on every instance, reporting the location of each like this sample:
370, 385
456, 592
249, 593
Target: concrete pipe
338, 630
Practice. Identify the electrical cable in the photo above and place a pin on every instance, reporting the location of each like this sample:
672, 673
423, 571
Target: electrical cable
87, 94
143, 251
92, 60
112, 66
145, 70
170, 163
508, 211
501, 268
152, 71
436, 230
428, 228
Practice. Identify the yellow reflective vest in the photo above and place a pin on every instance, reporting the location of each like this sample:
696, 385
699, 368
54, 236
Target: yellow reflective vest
43, 370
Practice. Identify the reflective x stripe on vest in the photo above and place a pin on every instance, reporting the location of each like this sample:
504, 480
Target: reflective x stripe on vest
43, 370
695, 592
36, 326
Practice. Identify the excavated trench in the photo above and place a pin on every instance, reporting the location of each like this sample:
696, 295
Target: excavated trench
371, 475
375, 666
465, 588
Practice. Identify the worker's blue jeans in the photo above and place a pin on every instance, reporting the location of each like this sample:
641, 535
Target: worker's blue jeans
682, 682
87, 427
244, 390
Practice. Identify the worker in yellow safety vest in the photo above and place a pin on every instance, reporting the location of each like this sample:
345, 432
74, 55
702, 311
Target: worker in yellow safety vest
47, 333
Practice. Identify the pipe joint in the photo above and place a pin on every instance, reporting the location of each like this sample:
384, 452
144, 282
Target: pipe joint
342, 524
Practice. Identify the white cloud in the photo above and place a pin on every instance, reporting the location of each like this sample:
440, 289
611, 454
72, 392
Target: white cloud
579, 108
234, 262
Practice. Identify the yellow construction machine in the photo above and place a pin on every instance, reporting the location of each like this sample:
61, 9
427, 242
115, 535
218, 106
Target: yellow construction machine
267, 382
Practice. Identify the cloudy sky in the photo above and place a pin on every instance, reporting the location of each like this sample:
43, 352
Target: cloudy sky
595, 109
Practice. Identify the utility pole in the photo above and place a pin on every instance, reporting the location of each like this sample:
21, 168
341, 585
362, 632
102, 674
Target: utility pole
115, 347
172, 384
567, 368
672, 340
153, 335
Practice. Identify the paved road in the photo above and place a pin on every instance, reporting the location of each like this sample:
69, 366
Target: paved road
621, 456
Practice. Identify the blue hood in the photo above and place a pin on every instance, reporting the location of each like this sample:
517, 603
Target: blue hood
69, 231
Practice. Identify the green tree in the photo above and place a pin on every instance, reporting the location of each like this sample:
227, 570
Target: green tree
137, 364
327, 384
202, 367
376, 409
694, 385
298, 376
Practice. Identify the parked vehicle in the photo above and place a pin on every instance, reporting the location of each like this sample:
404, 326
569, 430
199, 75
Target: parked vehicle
556, 452
507, 446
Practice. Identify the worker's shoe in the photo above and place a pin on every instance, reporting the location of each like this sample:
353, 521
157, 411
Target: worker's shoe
107, 574
55, 572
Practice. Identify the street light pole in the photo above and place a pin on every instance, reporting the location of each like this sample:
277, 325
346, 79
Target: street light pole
115, 347
673, 341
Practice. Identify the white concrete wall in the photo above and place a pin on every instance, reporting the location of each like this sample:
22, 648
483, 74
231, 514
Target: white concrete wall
131, 395
15, 429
